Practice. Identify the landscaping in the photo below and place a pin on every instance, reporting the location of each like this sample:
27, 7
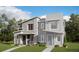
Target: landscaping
5, 46
71, 47
35, 48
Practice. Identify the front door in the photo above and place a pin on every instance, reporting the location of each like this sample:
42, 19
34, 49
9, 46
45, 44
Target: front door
24, 39
49, 40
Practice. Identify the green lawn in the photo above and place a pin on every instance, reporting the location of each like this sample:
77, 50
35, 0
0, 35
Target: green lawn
5, 46
72, 47
30, 49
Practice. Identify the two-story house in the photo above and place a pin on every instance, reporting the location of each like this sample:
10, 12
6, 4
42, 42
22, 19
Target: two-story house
49, 30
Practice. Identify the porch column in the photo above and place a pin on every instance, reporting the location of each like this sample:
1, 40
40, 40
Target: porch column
53, 39
15, 39
26, 40
62, 37
21, 41
61, 40
46, 38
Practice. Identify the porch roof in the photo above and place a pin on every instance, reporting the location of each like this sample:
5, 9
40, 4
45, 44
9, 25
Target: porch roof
56, 32
26, 33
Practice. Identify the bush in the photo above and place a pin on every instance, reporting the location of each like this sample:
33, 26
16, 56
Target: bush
38, 42
56, 45
41, 44
64, 45
16, 44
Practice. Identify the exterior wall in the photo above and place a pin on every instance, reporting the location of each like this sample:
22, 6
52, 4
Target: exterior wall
61, 42
42, 37
54, 39
25, 27
56, 42
55, 17
16, 38
54, 33
35, 30
48, 26
60, 26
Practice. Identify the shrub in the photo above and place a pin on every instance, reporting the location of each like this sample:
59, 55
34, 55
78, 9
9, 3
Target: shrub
16, 44
64, 45
41, 44
56, 45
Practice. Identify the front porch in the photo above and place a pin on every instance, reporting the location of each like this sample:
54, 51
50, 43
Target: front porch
24, 39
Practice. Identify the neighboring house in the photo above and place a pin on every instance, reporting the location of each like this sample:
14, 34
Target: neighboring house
49, 30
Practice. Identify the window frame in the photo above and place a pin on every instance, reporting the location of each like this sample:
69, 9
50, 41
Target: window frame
54, 24
30, 26
59, 38
42, 25
20, 27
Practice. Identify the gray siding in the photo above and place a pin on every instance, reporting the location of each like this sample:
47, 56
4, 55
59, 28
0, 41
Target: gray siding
41, 35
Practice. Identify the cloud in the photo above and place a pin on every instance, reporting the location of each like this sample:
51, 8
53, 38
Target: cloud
66, 18
12, 12
44, 16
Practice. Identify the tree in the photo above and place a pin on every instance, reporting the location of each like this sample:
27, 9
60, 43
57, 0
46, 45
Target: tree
72, 28
6, 33
12, 24
4, 17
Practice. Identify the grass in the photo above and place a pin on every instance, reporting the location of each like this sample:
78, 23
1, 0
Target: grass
30, 49
72, 47
5, 46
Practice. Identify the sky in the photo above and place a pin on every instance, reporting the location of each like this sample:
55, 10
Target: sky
13, 12
43, 10
26, 12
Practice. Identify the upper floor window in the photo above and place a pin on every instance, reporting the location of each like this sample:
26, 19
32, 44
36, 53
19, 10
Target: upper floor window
20, 27
54, 24
42, 26
30, 26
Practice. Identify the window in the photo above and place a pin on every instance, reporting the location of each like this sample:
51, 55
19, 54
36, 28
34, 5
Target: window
59, 38
30, 26
20, 27
54, 24
42, 26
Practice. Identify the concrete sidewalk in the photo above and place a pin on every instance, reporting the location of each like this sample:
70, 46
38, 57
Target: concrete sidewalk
13, 48
48, 49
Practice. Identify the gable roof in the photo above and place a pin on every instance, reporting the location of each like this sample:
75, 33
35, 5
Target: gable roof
30, 20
